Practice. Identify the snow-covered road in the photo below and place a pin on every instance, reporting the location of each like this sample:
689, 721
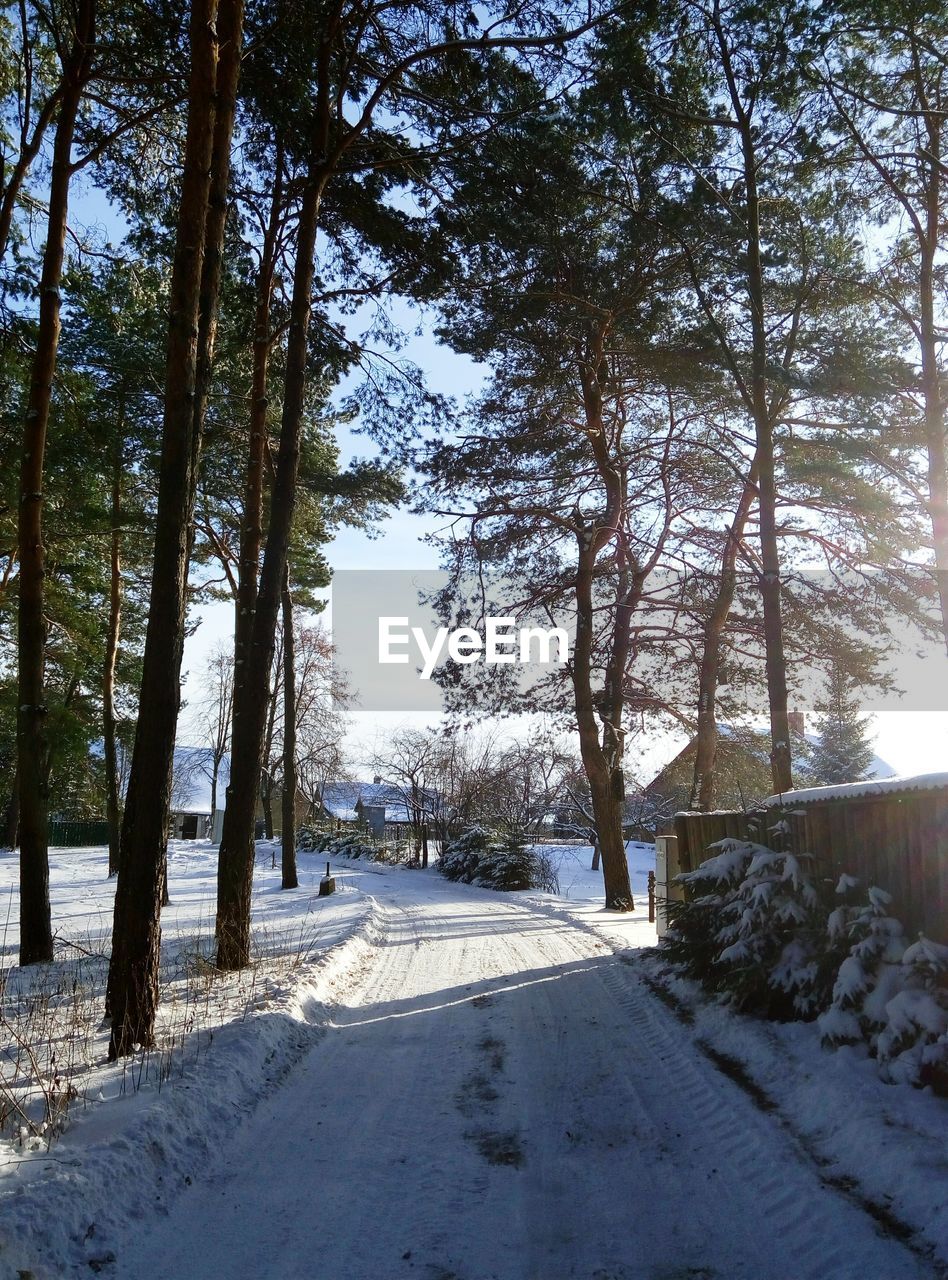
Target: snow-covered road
501, 1096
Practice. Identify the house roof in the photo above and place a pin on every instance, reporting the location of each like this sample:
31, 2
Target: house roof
342, 800
393, 797
752, 739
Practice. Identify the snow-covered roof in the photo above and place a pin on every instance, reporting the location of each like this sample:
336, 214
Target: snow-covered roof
850, 790
389, 795
340, 800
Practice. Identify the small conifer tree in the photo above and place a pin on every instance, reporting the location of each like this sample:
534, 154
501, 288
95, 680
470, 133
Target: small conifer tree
844, 751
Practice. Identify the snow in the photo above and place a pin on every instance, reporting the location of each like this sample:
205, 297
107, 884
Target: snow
424, 1079
851, 790
137, 1129
339, 799
885, 1143
572, 864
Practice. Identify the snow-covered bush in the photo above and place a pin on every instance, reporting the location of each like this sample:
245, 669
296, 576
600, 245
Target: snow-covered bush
350, 844
460, 858
759, 929
691, 941
754, 930
774, 935
343, 844
869, 973
310, 839
912, 1046
477, 857
889, 995
505, 867
358, 844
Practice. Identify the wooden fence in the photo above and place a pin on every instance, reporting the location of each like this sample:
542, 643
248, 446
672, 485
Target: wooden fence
897, 840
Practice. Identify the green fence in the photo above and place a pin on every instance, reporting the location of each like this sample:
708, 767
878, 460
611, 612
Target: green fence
71, 834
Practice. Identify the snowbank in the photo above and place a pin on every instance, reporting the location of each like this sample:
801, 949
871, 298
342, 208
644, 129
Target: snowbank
883, 1144
141, 1131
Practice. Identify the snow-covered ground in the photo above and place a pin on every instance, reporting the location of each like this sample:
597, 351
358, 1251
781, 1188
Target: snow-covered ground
425, 1079
223, 1042
579, 883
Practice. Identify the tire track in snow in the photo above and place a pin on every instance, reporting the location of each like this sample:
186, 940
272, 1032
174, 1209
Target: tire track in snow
770, 1179
826, 1236
797, 1207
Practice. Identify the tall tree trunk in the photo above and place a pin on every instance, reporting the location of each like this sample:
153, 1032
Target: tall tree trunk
36, 936
703, 782
601, 734
781, 764
930, 338
112, 798
229, 26
770, 586
133, 974
251, 529
601, 759
290, 879
235, 865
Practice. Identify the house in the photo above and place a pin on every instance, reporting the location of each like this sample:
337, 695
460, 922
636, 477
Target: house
191, 807
338, 802
388, 809
195, 817
384, 808
742, 769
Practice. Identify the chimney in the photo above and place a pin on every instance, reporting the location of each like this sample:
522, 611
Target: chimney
377, 779
797, 723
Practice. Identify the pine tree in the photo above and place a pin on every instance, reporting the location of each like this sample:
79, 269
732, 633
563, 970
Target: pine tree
36, 937
887, 81
844, 752
132, 994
